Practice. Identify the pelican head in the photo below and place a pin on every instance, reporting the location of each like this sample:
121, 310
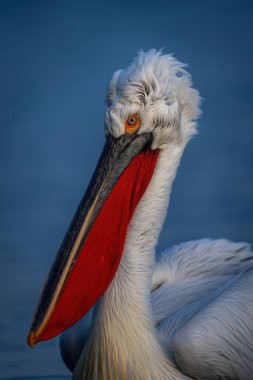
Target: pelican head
157, 88
151, 106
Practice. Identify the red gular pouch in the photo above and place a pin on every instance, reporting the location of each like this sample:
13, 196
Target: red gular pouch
99, 257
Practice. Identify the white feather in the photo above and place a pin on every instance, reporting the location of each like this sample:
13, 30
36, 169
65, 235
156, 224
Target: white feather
217, 342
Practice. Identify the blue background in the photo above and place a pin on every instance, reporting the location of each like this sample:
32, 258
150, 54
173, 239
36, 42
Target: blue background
56, 60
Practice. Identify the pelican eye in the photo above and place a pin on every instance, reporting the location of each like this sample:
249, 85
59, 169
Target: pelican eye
132, 120
132, 124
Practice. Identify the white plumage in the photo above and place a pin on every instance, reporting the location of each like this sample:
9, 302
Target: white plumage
190, 312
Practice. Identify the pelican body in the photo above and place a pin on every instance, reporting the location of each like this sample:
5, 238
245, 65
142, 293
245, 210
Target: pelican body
184, 314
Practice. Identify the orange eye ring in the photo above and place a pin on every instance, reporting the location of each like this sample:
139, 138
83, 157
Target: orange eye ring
132, 123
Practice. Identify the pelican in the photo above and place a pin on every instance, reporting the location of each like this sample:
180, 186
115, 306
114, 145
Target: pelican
186, 313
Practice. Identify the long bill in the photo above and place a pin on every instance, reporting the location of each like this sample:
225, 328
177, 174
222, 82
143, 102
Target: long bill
91, 250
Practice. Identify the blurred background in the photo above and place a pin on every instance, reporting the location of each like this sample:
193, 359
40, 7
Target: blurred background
56, 60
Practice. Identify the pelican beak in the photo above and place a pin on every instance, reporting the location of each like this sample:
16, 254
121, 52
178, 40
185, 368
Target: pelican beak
91, 250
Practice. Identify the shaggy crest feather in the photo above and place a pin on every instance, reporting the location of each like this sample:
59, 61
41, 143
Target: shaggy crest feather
158, 87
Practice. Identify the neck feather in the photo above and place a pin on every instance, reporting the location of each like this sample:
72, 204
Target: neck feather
123, 343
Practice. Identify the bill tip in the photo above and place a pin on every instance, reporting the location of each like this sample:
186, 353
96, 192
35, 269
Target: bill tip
31, 339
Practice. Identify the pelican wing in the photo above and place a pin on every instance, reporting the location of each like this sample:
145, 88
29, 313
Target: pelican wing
201, 296
200, 258
194, 273
217, 342
188, 272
